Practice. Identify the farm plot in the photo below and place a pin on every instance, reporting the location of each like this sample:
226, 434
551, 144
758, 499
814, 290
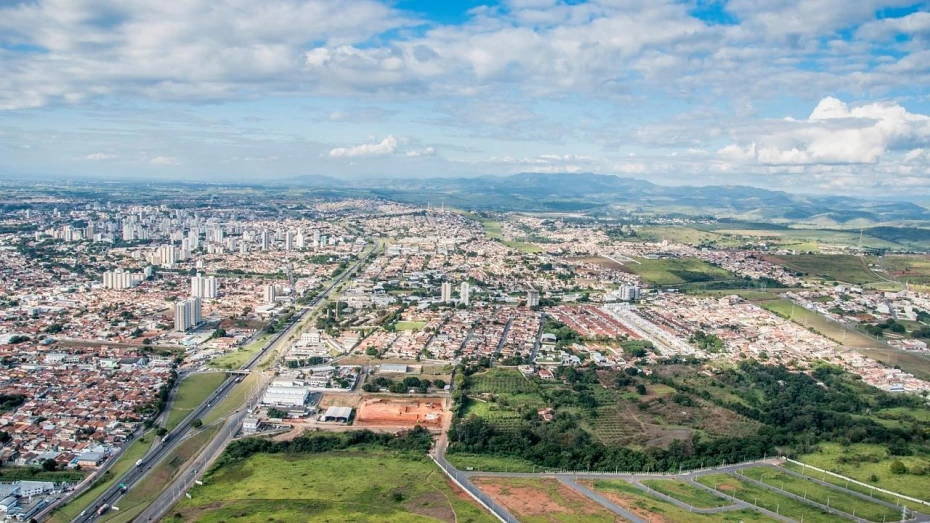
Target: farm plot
500, 381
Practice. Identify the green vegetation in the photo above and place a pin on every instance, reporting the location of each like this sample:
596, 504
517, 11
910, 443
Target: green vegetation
38, 474
764, 498
830, 267
529, 248
865, 462
490, 463
686, 493
409, 325
651, 508
126, 460
192, 391
821, 494
321, 478
678, 271
234, 400
237, 358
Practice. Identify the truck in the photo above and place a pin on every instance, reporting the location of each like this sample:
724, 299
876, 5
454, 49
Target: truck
103, 509
123, 488
139, 463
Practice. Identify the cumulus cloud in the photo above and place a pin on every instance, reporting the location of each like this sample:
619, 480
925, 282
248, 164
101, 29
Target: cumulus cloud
834, 133
382, 148
100, 156
428, 151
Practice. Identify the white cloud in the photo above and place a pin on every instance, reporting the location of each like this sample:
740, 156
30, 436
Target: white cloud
100, 156
834, 133
428, 151
164, 160
382, 148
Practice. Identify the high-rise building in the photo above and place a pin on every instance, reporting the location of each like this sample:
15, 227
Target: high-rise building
271, 293
203, 287
464, 293
168, 255
289, 241
187, 314
316, 238
194, 236
266, 241
446, 291
630, 293
532, 298
299, 240
120, 279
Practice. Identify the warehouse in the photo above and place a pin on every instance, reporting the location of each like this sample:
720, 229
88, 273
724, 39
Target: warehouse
286, 393
338, 414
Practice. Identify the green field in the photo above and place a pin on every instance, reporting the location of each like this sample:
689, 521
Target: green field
328, 487
678, 271
524, 247
830, 267
658, 510
145, 492
500, 381
686, 493
821, 494
410, 325
490, 463
192, 391
761, 497
914, 269
126, 460
860, 461
237, 358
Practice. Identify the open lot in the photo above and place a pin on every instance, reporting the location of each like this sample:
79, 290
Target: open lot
860, 461
543, 500
678, 271
367, 486
914, 269
377, 411
191, 392
821, 494
238, 357
761, 497
686, 493
656, 510
830, 267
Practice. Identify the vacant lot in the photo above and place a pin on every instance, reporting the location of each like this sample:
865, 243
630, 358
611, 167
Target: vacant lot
678, 271
824, 495
191, 392
379, 412
860, 461
655, 510
913, 269
544, 500
410, 325
761, 497
237, 358
686, 492
339, 486
831, 267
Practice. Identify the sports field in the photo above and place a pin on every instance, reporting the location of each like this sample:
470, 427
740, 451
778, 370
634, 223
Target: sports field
329, 487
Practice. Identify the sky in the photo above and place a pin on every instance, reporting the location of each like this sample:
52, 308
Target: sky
810, 96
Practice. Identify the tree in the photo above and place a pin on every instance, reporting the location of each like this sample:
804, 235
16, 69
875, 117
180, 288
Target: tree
49, 465
161, 431
897, 467
641, 389
197, 423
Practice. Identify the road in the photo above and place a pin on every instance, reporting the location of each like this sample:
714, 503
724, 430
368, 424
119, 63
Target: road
172, 439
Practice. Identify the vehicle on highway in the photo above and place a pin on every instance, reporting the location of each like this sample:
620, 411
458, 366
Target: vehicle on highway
103, 509
139, 463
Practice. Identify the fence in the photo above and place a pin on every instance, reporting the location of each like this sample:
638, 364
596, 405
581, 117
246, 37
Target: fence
861, 484
465, 484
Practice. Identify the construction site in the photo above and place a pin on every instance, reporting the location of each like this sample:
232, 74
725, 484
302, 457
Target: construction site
390, 412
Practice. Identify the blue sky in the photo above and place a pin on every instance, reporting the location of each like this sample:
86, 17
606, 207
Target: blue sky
807, 96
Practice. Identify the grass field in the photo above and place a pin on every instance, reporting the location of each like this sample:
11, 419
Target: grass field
678, 271
236, 359
686, 492
191, 392
489, 463
830, 267
500, 381
914, 269
128, 459
860, 461
543, 500
523, 247
856, 488
328, 488
821, 494
760, 497
410, 325
657, 510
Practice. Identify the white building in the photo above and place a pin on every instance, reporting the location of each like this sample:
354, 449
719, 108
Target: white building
464, 293
187, 314
271, 294
446, 289
203, 287
120, 279
288, 393
532, 298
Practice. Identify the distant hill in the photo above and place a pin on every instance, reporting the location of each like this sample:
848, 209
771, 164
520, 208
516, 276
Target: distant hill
575, 192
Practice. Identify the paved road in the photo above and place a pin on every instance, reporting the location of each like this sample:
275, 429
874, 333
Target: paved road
172, 439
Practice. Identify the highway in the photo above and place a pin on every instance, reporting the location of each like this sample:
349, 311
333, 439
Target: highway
173, 438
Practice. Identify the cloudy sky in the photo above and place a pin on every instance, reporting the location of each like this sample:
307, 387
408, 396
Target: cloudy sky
803, 95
